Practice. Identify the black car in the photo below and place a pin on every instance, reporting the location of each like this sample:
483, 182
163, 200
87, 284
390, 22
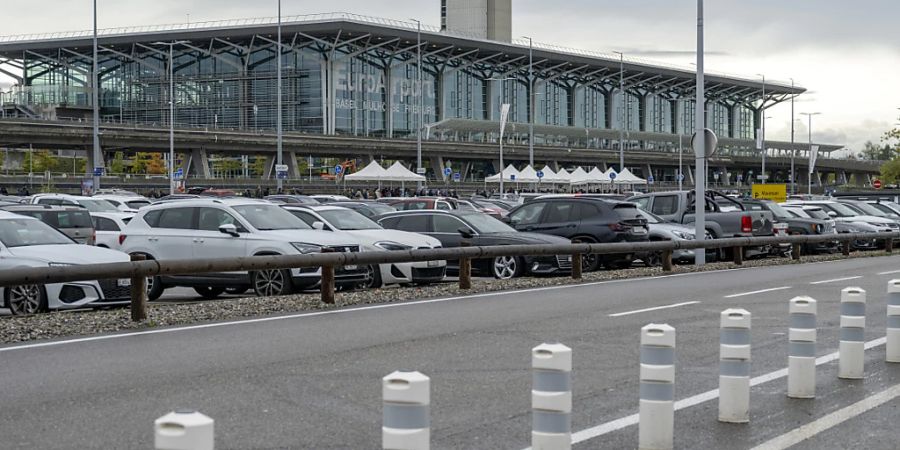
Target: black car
584, 219
797, 225
368, 209
451, 227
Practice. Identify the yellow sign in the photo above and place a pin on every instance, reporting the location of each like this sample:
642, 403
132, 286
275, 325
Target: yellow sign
774, 192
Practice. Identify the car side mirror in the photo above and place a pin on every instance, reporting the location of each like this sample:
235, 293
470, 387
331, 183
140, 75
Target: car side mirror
229, 229
466, 233
832, 214
506, 220
318, 225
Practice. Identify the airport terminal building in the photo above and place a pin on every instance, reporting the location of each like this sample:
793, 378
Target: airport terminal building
351, 76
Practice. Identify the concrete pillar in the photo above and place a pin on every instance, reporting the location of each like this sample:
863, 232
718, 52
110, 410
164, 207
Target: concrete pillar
269, 171
554, 165
197, 163
690, 174
437, 165
724, 178
464, 174
293, 166
648, 171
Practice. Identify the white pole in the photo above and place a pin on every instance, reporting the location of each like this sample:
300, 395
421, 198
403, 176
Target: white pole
851, 350
762, 116
551, 397
171, 119
802, 349
734, 366
624, 111
892, 347
700, 144
530, 102
419, 116
656, 410
95, 98
793, 150
680, 168
279, 182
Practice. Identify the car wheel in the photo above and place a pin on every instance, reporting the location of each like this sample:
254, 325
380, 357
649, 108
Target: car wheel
237, 290
209, 292
26, 300
652, 259
373, 277
589, 262
506, 267
268, 283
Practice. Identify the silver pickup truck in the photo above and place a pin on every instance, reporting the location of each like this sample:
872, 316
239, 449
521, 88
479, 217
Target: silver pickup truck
678, 207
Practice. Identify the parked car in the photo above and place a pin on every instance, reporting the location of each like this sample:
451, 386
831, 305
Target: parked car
416, 203
330, 198
844, 213
678, 207
28, 242
89, 203
108, 227
584, 219
451, 227
788, 224
491, 210
231, 228
73, 221
125, 202
886, 206
374, 237
870, 210
816, 212
661, 230
368, 209
292, 199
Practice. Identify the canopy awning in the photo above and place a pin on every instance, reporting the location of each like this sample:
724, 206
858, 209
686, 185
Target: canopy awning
372, 172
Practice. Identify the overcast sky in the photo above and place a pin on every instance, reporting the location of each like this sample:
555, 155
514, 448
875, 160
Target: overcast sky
847, 54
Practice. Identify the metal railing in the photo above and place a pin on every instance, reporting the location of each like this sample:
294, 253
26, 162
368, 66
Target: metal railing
138, 269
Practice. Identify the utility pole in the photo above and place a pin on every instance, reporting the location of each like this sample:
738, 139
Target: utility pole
530, 102
700, 145
762, 138
793, 150
95, 99
624, 111
419, 103
278, 128
171, 111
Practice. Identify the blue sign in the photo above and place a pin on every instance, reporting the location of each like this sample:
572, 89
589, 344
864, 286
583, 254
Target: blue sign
512, 177
650, 179
680, 177
457, 176
338, 169
540, 174
612, 175
98, 171
447, 172
281, 175
179, 173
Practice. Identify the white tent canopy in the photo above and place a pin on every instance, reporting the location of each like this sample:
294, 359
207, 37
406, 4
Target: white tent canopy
398, 172
579, 176
598, 176
626, 177
550, 176
563, 176
507, 174
527, 175
372, 172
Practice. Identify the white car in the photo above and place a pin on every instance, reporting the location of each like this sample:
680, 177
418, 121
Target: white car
842, 213
89, 203
375, 237
233, 228
108, 228
125, 203
28, 242
330, 198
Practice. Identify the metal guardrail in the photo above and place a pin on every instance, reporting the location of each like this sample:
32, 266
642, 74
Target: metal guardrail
138, 270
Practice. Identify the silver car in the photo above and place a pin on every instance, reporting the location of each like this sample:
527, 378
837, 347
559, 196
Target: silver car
660, 230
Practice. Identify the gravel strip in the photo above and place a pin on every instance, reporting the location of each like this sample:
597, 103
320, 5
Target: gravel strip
81, 323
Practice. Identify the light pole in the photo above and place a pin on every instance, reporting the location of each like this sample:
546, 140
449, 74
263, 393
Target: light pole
624, 110
502, 99
95, 99
793, 150
171, 111
762, 139
809, 178
419, 103
530, 101
278, 127
700, 145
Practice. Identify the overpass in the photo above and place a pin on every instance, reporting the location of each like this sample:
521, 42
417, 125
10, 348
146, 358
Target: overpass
656, 154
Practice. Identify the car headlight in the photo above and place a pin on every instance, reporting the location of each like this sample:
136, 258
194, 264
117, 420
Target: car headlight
388, 245
684, 235
305, 248
816, 228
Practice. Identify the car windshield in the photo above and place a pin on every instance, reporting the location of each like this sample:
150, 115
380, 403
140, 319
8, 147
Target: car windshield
868, 209
485, 224
98, 205
778, 211
270, 217
25, 232
651, 218
348, 220
841, 210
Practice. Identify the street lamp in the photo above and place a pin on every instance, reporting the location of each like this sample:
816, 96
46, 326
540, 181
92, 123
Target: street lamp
502, 99
171, 46
624, 110
809, 178
278, 128
95, 99
420, 104
530, 101
762, 139
700, 144
793, 150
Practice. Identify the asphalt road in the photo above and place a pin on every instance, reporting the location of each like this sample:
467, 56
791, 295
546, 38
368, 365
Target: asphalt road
313, 381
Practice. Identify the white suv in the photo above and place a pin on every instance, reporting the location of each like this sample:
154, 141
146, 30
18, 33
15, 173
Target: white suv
231, 228
89, 203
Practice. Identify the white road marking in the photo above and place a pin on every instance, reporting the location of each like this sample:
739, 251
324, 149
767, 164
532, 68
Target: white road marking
835, 280
832, 420
742, 294
350, 310
625, 422
638, 311
889, 273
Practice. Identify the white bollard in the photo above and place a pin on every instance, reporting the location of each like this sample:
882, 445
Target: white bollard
657, 391
406, 422
802, 349
551, 397
853, 333
183, 429
734, 366
893, 322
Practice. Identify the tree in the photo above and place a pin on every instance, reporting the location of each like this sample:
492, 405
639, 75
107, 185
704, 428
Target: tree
41, 161
117, 165
149, 163
890, 172
874, 152
258, 168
